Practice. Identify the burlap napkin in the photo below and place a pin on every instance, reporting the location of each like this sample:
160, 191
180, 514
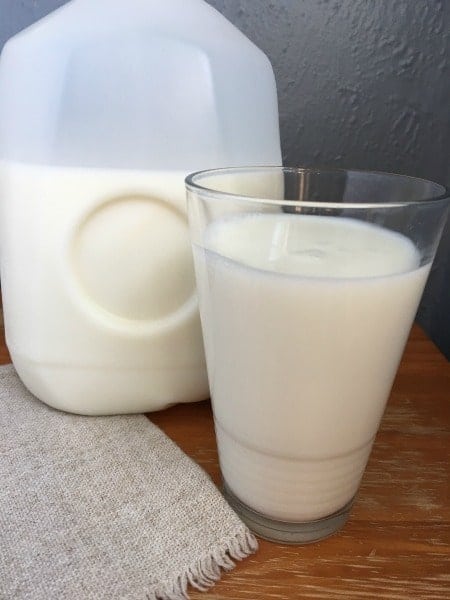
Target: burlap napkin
104, 508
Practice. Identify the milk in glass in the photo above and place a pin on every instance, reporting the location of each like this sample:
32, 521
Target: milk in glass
305, 320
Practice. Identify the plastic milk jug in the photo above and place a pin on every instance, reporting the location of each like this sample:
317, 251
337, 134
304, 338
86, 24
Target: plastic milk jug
105, 107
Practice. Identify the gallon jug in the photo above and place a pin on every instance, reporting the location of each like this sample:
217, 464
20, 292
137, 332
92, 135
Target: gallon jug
105, 107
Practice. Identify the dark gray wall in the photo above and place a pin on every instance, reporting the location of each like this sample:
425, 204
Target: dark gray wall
361, 83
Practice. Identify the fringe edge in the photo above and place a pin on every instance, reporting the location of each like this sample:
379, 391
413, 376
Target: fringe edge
207, 570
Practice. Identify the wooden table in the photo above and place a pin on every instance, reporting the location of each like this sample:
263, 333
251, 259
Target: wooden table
396, 544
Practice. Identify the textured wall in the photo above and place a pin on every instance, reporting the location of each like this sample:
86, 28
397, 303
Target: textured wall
361, 83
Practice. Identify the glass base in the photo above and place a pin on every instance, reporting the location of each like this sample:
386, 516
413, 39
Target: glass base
286, 532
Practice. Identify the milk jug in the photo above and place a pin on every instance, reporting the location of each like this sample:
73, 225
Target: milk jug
105, 107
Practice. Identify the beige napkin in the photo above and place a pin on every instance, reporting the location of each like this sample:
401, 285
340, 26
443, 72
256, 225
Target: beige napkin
104, 508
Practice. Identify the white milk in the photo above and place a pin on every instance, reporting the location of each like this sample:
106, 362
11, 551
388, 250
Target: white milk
304, 323
98, 288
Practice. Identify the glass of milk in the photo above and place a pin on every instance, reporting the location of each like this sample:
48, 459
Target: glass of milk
308, 282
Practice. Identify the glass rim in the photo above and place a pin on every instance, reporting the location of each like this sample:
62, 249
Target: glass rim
192, 182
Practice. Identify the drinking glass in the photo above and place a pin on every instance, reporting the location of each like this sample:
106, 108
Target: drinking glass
308, 283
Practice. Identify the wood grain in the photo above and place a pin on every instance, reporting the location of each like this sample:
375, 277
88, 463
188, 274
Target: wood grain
396, 544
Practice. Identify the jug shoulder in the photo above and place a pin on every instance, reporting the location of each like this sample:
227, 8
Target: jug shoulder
83, 21
142, 84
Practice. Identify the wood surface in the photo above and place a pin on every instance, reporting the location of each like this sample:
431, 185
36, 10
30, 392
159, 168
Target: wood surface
396, 544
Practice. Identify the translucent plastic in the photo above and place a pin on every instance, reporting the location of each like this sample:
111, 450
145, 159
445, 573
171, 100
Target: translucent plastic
105, 107
141, 84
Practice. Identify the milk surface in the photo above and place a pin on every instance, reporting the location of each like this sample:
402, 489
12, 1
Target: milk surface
98, 288
305, 320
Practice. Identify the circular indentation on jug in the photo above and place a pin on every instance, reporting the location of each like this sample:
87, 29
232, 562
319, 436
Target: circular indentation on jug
132, 260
